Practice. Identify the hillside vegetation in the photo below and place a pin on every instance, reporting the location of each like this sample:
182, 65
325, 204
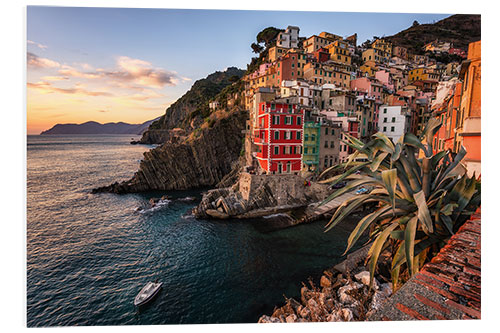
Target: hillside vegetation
460, 29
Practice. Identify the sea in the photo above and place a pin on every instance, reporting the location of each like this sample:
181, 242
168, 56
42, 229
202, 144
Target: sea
88, 255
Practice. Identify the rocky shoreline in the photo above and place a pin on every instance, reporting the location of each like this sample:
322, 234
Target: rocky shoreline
343, 295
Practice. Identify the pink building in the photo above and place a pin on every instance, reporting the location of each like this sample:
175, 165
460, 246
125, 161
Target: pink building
368, 86
385, 78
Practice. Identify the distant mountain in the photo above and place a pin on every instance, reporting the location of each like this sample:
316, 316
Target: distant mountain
460, 29
92, 127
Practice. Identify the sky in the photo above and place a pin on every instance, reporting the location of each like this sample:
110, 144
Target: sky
125, 64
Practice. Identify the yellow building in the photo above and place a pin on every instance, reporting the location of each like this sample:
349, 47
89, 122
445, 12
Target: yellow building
382, 45
339, 52
368, 69
330, 36
375, 55
326, 75
275, 52
314, 43
423, 73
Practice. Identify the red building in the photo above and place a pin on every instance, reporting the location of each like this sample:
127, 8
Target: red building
290, 66
278, 136
321, 55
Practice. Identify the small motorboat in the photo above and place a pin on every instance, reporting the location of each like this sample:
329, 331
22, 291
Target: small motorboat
147, 293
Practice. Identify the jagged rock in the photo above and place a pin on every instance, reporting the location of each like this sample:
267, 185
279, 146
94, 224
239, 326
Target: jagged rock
325, 282
268, 319
312, 305
347, 314
305, 313
291, 318
334, 316
203, 161
344, 297
364, 278
306, 294
216, 214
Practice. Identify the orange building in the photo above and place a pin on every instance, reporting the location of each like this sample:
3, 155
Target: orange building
469, 124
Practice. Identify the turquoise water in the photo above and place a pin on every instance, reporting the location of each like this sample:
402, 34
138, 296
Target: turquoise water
88, 255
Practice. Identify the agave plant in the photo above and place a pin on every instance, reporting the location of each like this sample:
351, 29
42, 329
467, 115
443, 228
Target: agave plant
422, 198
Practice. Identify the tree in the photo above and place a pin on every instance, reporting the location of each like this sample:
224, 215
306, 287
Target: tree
268, 35
256, 48
421, 202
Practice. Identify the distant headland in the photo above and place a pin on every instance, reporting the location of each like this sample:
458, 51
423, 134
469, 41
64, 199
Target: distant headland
93, 127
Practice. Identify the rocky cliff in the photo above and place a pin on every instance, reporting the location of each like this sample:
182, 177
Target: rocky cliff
189, 110
203, 159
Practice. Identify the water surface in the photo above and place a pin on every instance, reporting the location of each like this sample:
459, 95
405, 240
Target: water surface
89, 254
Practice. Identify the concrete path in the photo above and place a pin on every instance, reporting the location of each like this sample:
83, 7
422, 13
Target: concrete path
315, 212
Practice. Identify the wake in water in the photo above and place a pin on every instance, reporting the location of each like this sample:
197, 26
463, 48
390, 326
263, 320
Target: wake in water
157, 204
154, 205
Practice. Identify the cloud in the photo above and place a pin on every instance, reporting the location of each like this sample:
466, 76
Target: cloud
46, 87
129, 74
55, 78
35, 61
41, 46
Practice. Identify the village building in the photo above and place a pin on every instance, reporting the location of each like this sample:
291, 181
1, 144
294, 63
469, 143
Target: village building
311, 146
394, 121
278, 137
469, 120
288, 38
329, 145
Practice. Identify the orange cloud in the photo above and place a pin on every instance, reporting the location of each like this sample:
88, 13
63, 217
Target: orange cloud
46, 87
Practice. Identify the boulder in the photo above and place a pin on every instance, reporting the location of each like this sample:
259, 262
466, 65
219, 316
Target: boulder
305, 313
291, 318
343, 295
347, 314
364, 278
325, 282
334, 316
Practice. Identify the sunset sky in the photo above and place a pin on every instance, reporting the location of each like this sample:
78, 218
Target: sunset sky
110, 65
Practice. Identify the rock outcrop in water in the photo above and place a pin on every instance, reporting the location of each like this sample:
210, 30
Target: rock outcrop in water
199, 145
201, 160
255, 196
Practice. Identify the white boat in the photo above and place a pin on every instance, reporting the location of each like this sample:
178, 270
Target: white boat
147, 293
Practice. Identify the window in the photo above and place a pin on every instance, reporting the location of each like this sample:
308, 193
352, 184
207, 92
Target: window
385, 120
393, 119
305, 150
299, 120
298, 135
276, 135
288, 120
332, 144
326, 130
326, 144
385, 129
306, 137
276, 150
392, 128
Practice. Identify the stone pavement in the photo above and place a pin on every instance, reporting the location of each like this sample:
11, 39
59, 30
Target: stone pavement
448, 287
